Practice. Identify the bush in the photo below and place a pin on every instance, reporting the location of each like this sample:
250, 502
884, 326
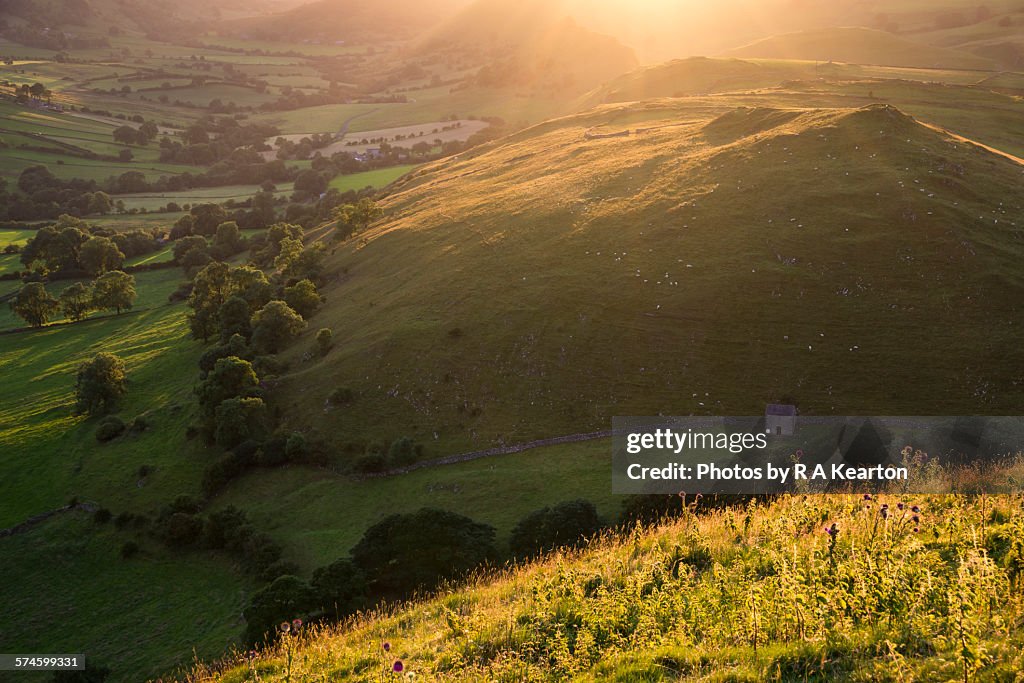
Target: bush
138, 425
445, 545
287, 598
324, 340
123, 519
101, 516
237, 420
565, 524
340, 588
109, 428
181, 530
129, 549
296, 448
371, 463
402, 452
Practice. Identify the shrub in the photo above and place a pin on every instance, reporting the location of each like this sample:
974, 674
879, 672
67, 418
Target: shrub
402, 452
324, 340
237, 420
565, 524
129, 549
303, 298
181, 529
274, 326
109, 428
296, 448
123, 519
138, 425
370, 463
287, 598
340, 588
445, 545
101, 516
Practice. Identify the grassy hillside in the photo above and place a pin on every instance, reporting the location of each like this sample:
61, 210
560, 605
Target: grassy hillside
754, 594
858, 45
850, 260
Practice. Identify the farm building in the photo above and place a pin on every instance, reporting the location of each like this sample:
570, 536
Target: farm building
780, 419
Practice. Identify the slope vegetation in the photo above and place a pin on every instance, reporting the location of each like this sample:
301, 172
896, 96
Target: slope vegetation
858, 45
752, 594
846, 259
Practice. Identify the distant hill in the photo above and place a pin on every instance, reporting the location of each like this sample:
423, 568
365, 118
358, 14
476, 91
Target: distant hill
693, 76
639, 258
99, 15
529, 43
358, 21
857, 45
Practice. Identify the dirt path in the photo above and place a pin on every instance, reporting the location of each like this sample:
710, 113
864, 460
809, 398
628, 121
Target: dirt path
969, 141
491, 452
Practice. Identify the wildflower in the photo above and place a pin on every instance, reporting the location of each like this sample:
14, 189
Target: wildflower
867, 496
832, 530
386, 646
397, 667
296, 624
285, 627
900, 506
915, 519
799, 452
917, 530
915, 509
884, 512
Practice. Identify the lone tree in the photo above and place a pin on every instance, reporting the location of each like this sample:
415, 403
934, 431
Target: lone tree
274, 326
303, 298
99, 255
76, 301
34, 304
352, 218
101, 382
114, 291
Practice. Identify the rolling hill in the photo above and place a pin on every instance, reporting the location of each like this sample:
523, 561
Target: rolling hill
526, 44
693, 76
858, 45
358, 21
850, 260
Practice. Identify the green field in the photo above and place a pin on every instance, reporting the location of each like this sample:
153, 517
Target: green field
153, 288
377, 178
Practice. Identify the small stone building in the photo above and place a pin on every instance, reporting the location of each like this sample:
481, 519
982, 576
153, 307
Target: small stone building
780, 419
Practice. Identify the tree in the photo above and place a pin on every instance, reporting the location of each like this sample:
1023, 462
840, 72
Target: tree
274, 325
100, 203
237, 420
303, 298
324, 340
34, 305
406, 552
231, 377
182, 227
126, 135
100, 383
76, 301
352, 218
287, 598
206, 218
228, 239
210, 289
234, 319
289, 251
340, 588
99, 255
565, 524
114, 291
187, 245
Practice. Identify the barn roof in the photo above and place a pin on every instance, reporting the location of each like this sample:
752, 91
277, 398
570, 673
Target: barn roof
780, 409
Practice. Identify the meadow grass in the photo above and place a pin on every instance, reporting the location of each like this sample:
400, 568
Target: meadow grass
377, 178
753, 593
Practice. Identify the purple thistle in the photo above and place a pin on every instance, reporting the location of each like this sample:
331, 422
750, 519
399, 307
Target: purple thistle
397, 667
867, 496
915, 519
387, 646
899, 506
917, 530
915, 509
